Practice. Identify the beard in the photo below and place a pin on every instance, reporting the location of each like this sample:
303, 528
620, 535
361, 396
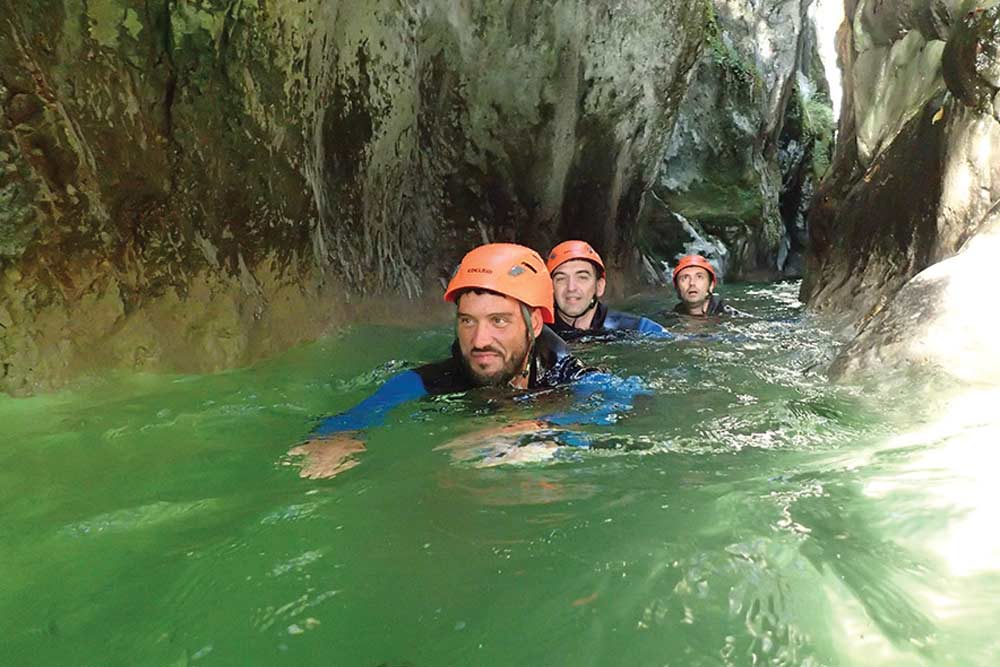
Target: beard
499, 378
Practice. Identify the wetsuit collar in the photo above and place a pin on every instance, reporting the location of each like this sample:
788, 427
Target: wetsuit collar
712, 307
596, 323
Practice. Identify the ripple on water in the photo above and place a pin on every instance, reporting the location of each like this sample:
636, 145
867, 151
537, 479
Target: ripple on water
746, 512
141, 517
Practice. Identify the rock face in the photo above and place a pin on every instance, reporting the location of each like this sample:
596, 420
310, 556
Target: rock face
753, 135
928, 322
915, 177
191, 185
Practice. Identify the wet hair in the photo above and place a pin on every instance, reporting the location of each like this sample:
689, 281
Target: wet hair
479, 291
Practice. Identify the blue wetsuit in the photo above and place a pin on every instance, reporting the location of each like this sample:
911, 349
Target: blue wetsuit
603, 396
612, 320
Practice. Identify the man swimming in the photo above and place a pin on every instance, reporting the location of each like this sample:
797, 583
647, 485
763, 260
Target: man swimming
503, 299
695, 280
579, 282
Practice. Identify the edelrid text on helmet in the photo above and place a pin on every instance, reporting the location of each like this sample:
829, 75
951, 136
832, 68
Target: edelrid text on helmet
508, 269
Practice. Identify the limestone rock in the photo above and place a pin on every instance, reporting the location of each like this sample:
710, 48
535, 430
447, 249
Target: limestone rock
181, 180
944, 318
971, 60
735, 165
915, 179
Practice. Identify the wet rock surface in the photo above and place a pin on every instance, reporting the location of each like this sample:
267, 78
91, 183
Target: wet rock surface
915, 181
190, 186
754, 133
940, 319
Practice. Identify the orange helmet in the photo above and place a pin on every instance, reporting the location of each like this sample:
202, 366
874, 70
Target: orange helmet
568, 250
695, 260
508, 269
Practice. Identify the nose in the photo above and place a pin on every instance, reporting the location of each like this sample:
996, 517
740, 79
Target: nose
481, 336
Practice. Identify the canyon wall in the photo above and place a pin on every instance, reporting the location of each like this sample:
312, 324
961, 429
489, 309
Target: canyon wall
190, 185
753, 137
915, 180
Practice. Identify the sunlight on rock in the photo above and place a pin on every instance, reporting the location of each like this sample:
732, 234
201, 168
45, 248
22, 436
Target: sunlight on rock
905, 77
962, 335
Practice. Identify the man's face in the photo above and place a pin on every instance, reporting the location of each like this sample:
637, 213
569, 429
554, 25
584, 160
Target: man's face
576, 285
693, 284
492, 336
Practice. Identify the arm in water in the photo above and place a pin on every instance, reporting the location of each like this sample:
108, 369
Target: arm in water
598, 399
618, 321
329, 449
648, 327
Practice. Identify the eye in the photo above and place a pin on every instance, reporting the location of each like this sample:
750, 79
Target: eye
500, 320
464, 321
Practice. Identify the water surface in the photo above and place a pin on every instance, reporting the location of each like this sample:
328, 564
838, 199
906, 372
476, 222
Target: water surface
746, 513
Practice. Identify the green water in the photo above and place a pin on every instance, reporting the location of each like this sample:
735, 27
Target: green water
749, 514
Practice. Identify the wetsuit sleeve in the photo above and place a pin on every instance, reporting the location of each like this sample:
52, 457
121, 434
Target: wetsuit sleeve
600, 398
399, 389
650, 328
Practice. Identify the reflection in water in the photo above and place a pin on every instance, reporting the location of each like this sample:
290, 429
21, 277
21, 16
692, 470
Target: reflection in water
519, 488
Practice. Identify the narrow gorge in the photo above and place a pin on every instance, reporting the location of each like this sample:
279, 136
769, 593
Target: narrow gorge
194, 185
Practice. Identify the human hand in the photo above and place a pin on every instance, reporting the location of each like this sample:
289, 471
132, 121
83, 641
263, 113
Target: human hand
327, 456
501, 444
494, 434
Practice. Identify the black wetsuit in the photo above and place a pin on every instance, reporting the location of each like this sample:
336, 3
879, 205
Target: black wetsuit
610, 320
716, 306
551, 365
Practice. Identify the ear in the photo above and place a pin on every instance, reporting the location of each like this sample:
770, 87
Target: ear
536, 321
602, 285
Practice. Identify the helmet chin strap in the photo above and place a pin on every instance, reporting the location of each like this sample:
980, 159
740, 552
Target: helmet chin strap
526, 370
591, 306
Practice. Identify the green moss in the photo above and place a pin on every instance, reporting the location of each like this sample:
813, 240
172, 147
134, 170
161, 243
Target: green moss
724, 201
105, 17
818, 127
133, 24
192, 20
736, 67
